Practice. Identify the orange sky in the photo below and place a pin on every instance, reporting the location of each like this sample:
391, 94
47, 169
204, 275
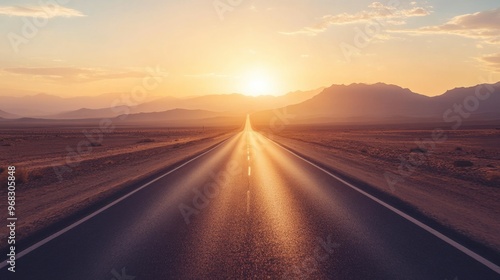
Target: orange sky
250, 47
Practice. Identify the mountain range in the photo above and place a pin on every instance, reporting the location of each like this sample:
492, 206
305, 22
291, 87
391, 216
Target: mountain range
86, 107
47, 105
6, 115
382, 103
355, 103
233, 103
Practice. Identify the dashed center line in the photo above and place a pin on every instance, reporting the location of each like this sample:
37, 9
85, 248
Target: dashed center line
248, 202
249, 170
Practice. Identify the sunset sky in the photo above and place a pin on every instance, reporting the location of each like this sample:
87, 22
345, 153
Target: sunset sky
90, 47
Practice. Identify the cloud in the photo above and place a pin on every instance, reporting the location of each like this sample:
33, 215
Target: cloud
483, 25
492, 61
43, 11
71, 74
376, 11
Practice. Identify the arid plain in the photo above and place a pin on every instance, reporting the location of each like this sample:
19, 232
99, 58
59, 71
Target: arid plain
454, 181
56, 178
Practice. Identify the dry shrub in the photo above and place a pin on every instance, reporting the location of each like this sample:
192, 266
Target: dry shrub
21, 176
35, 175
3, 175
463, 163
147, 140
418, 150
494, 177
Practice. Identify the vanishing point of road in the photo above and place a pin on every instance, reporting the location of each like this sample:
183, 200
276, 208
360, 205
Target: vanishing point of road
248, 209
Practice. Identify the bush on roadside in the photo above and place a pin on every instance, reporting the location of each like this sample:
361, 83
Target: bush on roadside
463, 163
418, 150
494, 177
35, 175
147, 140
21, 176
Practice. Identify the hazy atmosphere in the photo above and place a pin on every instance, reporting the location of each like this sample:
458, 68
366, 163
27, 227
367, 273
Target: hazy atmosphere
238, 139
249, 47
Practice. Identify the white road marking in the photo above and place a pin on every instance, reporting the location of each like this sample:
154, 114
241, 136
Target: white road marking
90, 216
249, 170
248, 202
425, 227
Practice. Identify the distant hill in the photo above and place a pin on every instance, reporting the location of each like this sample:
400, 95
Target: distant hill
355, 103
233, 103
171, 118
182, 117
382, 103
7, 115
49, 107
86, 113
176, 114
299, 96
41, 105
491, 106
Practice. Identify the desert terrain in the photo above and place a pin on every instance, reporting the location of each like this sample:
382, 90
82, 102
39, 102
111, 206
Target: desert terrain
455, 181
58, 175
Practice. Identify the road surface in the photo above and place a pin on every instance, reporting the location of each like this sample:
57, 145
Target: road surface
248, 209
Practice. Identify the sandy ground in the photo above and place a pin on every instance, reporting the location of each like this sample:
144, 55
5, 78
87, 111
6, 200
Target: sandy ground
454, 181
86, 175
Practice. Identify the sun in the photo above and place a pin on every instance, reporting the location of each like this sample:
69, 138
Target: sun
258, 82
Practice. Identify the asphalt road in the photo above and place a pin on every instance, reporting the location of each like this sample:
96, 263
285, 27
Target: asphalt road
248, 209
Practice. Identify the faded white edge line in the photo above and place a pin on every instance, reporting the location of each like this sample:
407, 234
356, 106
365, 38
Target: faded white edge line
427, 228
90, 216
